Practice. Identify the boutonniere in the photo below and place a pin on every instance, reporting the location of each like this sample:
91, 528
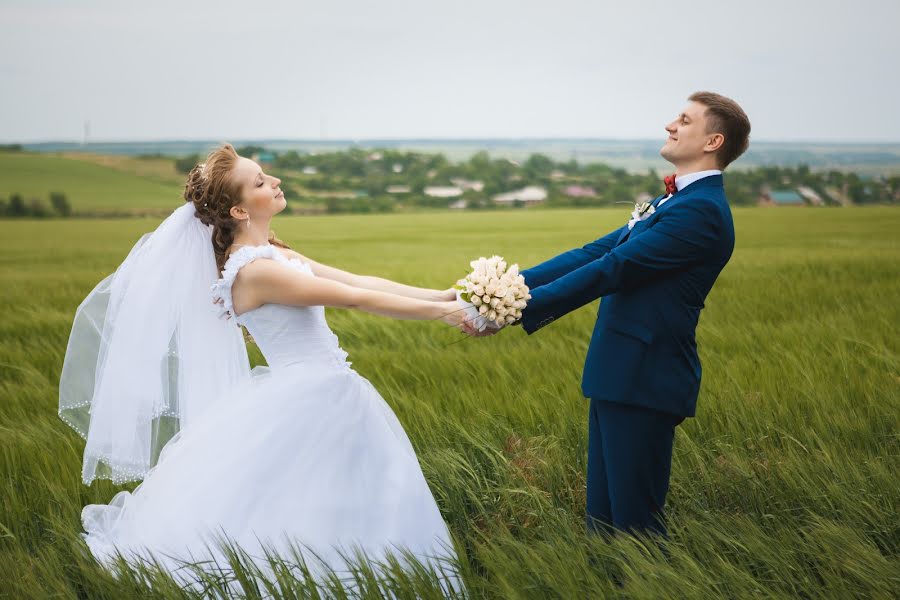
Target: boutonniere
642, 210
645, 207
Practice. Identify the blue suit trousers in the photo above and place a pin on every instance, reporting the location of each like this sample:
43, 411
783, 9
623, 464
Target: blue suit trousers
629, 462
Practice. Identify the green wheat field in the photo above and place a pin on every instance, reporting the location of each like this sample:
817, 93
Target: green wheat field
785, 484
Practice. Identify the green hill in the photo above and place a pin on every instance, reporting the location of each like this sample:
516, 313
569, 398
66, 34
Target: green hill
89, 187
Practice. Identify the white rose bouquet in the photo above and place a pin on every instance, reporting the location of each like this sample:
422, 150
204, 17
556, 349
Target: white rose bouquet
494, 294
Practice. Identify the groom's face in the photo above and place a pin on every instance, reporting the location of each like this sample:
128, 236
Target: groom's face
687, 135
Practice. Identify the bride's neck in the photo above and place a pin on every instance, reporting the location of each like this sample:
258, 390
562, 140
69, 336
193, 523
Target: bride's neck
257, 234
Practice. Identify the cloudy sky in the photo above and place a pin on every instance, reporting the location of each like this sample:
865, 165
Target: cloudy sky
339, 69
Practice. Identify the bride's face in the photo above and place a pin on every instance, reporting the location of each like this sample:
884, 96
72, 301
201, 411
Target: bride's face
260, 193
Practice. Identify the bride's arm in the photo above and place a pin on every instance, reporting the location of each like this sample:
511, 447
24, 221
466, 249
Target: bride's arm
266, 281
378, 284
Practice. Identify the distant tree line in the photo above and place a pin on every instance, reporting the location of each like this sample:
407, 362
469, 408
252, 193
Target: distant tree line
17, 206
380, 180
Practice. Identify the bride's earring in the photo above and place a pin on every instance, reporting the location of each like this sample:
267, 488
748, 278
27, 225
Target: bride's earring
248, 221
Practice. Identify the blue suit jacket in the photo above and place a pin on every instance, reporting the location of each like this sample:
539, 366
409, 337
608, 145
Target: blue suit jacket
654, 280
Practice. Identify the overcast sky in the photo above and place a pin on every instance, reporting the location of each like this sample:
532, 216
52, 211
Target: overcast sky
802, 69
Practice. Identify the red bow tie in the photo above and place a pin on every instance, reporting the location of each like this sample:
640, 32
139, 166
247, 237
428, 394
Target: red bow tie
669, 180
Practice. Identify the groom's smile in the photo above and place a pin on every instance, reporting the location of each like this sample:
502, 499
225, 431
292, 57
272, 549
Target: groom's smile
688, 140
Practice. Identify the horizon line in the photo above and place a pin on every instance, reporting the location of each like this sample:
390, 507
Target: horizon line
369, 140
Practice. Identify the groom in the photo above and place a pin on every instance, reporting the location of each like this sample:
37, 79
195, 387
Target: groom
642, 372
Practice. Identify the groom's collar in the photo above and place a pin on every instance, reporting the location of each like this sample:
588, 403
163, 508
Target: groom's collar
710, 181
682, 181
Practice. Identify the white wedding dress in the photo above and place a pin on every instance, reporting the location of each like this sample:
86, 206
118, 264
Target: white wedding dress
306, 454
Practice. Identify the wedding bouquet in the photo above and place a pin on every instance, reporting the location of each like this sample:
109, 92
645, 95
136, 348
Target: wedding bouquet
494, 294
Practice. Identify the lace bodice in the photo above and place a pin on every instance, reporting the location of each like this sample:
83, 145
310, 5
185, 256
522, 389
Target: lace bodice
286, 335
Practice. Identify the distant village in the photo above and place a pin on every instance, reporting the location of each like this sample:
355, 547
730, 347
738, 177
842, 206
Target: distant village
359, 180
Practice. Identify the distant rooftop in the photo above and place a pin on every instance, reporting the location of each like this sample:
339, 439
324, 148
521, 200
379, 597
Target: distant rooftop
786, 197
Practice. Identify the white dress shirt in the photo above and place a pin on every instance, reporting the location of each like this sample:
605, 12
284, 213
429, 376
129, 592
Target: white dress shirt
682, 181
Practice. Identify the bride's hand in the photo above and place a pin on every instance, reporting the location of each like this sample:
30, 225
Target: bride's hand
447, 295
455, 315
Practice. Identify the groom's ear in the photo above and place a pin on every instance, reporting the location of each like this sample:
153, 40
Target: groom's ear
714, 142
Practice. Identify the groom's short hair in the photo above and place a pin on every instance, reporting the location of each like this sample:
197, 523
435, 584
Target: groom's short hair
725, 116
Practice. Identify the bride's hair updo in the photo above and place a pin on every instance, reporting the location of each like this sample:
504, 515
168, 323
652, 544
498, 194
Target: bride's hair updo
213, 190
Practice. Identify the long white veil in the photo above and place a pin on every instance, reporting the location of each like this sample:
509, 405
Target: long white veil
148, 353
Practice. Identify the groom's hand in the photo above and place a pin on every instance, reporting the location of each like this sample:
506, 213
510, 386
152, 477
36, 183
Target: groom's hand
487, 332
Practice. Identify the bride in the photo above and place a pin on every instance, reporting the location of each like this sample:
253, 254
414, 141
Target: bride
304, 453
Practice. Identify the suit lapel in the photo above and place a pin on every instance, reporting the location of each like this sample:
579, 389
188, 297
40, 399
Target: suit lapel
710, 181
627, 232
624, 236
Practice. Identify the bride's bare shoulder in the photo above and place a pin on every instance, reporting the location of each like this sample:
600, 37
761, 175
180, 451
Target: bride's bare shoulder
289, 253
